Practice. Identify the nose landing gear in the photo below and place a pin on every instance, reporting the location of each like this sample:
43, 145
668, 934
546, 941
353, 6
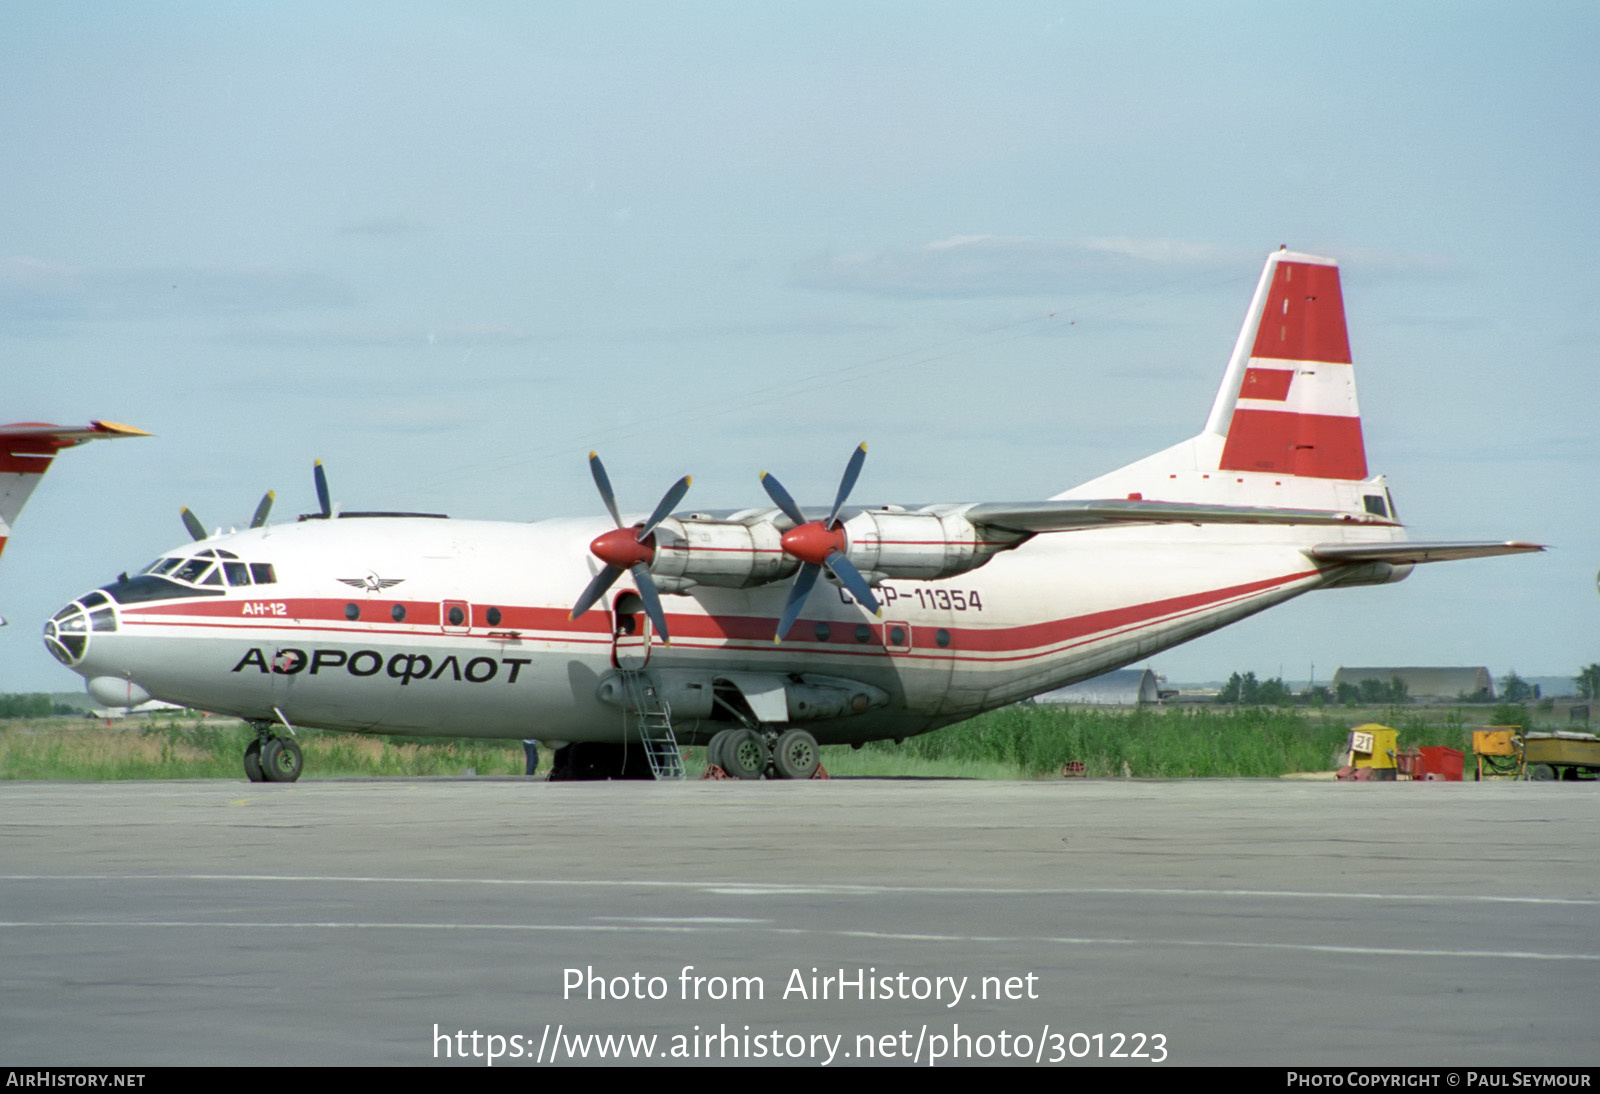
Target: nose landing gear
270, 758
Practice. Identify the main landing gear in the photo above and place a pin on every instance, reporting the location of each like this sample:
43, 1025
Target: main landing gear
749, 754
272, 759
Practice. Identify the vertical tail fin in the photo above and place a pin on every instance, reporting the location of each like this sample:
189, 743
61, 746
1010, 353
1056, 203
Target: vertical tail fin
1284, 429
1287, 404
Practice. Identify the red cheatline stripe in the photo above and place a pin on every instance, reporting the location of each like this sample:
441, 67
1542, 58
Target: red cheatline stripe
1318, 446
1304, 316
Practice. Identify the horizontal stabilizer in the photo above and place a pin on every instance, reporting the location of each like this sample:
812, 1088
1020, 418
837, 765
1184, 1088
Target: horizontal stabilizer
1067, 514
1414, 552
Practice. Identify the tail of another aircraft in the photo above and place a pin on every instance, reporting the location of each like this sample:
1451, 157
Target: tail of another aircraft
26, 449
1284, 430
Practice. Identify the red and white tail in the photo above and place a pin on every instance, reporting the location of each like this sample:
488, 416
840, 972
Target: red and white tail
26, 449
1287, 404
1284, 428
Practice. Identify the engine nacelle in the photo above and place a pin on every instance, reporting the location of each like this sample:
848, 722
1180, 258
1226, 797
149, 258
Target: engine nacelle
882, 543
889, 542
731, 554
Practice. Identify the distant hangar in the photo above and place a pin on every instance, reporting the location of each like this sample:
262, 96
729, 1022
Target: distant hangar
1450, 684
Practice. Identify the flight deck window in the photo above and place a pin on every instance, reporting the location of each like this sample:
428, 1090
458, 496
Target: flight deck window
191, 570
263, 574
162, 565
213, 576
238, 573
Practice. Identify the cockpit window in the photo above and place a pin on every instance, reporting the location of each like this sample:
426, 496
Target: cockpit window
201, 570
191, 570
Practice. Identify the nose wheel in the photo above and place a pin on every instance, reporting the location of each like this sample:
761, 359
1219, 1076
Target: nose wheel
272, 759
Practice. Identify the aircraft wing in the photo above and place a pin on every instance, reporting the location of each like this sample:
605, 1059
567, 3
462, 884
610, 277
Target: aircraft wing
1414, 552
1069, 514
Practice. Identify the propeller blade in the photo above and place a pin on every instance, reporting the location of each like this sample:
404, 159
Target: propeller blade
597, 588
601, 480
321, 477
781, 497
669, 502
846, 572
803, 581
192, 522
262, 510
652, 601
852, 471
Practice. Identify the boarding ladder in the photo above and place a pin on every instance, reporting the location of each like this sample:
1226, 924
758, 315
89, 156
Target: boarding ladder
655, 725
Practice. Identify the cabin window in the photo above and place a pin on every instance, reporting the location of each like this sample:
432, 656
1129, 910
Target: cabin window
493, 617
352, 612
823, 632
399, 613
1375, 505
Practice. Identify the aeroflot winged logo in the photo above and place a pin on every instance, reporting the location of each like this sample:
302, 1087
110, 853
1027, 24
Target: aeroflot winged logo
372, 583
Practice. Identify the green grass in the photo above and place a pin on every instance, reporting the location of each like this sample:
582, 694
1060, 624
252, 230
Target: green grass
1017, 742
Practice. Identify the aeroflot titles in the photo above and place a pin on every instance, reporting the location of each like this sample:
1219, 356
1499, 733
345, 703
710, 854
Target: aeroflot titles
404, 667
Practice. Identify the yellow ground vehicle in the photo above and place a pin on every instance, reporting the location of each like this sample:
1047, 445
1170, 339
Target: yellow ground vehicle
1533, 754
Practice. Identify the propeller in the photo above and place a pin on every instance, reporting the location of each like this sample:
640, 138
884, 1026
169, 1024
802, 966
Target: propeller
818, 544
321, 477
198, 530
631, 549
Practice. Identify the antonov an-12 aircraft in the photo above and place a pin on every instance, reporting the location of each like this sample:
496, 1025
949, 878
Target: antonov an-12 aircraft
615, 641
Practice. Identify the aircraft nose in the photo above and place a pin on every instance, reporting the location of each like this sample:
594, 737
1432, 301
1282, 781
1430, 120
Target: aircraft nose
67, 633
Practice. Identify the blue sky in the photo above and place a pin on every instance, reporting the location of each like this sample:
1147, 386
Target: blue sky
448, 249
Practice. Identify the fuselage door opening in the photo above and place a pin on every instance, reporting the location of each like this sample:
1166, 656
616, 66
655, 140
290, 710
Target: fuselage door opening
630, 632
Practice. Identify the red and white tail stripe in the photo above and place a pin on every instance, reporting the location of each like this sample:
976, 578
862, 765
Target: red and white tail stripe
1288, 402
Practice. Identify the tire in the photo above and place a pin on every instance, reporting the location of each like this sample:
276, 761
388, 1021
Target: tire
744, 756
714, 748
281, 761
1541, 773
795, 756
252, 762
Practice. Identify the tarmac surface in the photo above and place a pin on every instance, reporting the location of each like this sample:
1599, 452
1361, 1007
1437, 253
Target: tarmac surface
1195, 922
